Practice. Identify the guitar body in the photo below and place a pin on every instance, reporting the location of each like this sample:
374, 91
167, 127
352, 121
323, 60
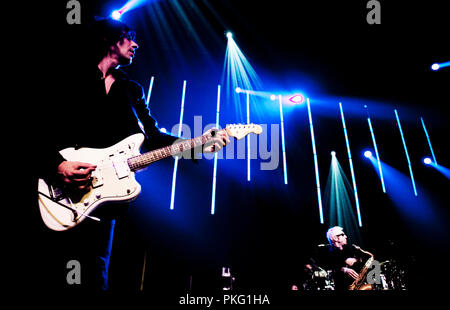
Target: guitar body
112, 181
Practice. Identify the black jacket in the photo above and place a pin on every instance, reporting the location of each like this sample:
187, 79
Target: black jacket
81, 114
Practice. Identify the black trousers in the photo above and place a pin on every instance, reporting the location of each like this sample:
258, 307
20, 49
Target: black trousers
75, 259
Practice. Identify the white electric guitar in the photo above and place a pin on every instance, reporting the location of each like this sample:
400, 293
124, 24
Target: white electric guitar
114, 178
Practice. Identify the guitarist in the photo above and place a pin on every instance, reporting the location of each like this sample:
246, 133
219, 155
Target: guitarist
102, 106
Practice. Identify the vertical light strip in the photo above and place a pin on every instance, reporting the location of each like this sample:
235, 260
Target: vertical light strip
213, 199
429, 141
175, 167
150, 90
248, 137
316, 165
406, 152
283, 147
376, 150
355, 190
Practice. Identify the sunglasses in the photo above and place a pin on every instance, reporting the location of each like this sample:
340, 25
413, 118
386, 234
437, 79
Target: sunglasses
341, 234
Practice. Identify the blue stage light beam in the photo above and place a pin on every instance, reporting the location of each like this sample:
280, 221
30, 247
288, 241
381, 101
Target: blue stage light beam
283, 143
337, 199
257, 93
380, 170
150, 88
175, 166
355, 190
429, 141
213, 198
406, 152
147, 101
437, 66
421, 215
445, 171
238, 76
316, 164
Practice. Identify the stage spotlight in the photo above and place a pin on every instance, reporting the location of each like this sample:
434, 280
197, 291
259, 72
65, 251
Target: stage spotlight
437, 66
368, 154
297, 99
229, 35
238, 90
273, 97
333, 153
128, 6
427, 160
116, 15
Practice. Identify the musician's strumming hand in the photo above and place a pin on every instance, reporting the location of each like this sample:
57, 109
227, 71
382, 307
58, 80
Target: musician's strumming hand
76, 173
219, 140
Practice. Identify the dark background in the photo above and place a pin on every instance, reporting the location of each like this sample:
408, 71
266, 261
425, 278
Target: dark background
265, 230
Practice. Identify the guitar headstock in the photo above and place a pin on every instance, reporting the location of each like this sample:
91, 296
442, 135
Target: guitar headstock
239, 131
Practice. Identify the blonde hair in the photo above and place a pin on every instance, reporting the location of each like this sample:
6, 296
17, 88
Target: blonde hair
333, 231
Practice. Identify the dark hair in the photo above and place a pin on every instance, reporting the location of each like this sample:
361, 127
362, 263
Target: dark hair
103, 33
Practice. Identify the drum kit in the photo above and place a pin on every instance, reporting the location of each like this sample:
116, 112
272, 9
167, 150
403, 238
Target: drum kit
393, 276
319, 279
323, 280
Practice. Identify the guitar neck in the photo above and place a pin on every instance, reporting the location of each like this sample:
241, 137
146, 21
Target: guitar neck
141, 161
238, 131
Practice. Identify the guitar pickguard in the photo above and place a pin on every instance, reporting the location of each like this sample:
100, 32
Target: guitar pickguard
112, 181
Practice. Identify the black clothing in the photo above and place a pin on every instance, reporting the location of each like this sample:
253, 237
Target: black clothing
332, 258
114, 116
86, 116
82, 114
